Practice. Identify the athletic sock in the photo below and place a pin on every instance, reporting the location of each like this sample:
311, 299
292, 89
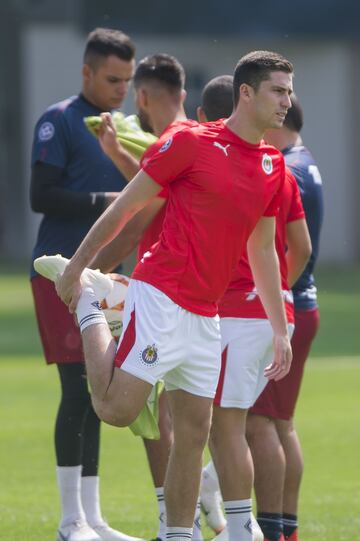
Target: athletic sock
177, 533
91, 500
290, 524
69, 482
271, 525
210, 479
162, 513
197, 535
238, 516
88, 310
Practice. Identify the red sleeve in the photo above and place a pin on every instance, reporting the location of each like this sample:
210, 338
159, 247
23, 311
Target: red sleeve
296, 210
152, 149
171, 158
273, 207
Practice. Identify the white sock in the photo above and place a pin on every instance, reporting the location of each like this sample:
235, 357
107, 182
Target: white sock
197, 535
177, 533
90, 498
210, 479
88, 310
162, 513
238, 515
69, 482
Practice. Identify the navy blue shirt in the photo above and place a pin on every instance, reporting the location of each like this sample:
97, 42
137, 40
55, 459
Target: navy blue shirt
307, 175
61, 139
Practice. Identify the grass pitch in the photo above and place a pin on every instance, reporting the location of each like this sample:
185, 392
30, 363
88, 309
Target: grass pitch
328, 420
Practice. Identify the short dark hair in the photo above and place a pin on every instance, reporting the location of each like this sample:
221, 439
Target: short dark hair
161, 68
294, 119
104, 42
256, 67
217, 97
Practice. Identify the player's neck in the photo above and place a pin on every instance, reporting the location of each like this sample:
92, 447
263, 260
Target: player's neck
166, 117
245, 128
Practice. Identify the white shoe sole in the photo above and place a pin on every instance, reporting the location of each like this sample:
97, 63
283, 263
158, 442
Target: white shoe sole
54, 265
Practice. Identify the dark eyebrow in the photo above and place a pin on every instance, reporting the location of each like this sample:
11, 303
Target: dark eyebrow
283, 89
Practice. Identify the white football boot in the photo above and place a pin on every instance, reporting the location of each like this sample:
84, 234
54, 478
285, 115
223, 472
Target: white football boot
54, 265
77, 531
106, 533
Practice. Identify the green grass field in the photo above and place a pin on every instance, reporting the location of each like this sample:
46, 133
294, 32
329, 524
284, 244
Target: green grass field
328, 420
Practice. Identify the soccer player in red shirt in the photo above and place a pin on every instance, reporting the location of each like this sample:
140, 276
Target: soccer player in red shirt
159, 86
225, 185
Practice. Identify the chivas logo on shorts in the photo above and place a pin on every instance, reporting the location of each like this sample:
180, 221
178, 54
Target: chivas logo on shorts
149, 355
267, 164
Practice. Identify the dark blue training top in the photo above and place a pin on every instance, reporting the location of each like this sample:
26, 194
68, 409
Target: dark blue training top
304, 169
61, 139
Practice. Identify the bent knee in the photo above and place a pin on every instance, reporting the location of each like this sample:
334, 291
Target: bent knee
111, 414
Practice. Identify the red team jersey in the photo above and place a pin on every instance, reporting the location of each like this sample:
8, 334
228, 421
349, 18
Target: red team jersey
240, 299
219, 187
152, 233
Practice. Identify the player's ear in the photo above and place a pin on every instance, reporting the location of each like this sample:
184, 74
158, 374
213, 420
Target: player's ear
143, 97
246, 92
86, 72
183, 95
201, 114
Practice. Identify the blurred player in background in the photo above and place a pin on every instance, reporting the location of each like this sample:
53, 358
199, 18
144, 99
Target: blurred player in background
216, 99
72, 183
272, 435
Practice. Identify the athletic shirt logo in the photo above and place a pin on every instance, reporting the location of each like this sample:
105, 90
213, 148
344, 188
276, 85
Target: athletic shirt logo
46, 131
166, 145
267, 164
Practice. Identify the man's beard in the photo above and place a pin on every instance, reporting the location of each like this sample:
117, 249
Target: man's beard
144, 122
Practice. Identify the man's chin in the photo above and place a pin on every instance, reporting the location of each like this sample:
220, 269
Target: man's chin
278, 124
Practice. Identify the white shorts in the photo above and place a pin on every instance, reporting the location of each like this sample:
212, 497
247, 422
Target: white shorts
246, 346
161, 340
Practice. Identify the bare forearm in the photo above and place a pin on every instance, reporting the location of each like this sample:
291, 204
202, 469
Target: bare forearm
299, 249
125, 162
295, 264
112, 255
102, 233
265, 268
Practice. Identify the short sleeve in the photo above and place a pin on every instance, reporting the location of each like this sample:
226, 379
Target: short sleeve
171, 158
296, 210
51, 140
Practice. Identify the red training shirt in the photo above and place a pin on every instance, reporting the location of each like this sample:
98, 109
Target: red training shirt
219, 187
241, 299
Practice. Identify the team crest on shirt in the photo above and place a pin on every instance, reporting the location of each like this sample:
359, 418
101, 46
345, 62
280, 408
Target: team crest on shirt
149, 355
166, 145
46, 131
267, 164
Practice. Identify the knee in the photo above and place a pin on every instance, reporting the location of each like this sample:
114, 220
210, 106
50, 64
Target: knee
257, 426
111, 414
194, 433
